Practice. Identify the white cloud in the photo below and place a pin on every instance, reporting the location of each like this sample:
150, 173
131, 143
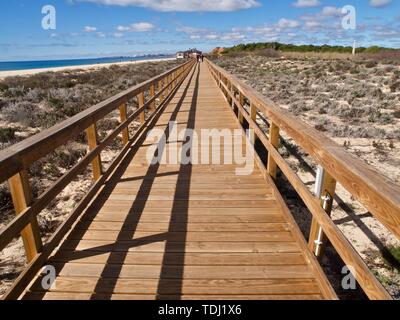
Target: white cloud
379, 3
142, 27
287, 23
183, 5
191, 30
312, 24
90, 29
123, 28
332, 11
215, 36
136, 27
307, 3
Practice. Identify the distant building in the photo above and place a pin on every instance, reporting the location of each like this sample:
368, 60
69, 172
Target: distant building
191, 53
180, 55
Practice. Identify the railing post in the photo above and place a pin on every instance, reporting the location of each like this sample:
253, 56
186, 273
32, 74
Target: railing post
140, 98
275, 140
160, 87
124, 117
22, 198
253, 115
171, 80
152, 95
325, 186
93, 141
166, 84
240, 114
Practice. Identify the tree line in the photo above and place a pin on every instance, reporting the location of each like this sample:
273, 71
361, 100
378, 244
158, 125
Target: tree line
301, 48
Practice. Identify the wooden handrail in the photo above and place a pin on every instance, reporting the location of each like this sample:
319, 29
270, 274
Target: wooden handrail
26, 152
321, 148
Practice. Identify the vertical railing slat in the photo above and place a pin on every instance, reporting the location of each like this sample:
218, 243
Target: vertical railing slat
325, 192
93, 141
275, 140
152, 95
123, 117
22, 198
140, 98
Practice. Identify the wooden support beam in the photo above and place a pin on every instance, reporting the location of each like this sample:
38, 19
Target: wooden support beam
275, 140
93, 141
123, 116
22, 198
325, 192
140, 98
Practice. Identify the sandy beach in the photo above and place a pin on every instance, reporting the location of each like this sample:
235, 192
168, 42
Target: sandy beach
13, 73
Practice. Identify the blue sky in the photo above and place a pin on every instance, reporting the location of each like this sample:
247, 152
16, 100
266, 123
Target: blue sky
98, 28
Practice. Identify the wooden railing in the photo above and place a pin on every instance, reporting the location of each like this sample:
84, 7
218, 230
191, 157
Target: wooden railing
379, 195
16, 161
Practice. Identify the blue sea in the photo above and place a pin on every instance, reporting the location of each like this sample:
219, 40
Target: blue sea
25, 65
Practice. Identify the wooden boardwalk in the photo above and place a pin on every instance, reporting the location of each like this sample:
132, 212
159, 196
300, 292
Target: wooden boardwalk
185, 231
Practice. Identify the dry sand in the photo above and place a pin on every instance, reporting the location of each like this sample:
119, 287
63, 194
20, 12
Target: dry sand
91, 67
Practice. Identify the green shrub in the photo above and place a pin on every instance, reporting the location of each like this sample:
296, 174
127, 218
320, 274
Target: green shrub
7, 134
55, 103
371, 64
3, 86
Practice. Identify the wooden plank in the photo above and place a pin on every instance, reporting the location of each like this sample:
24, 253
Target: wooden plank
188, 272
179, 204
176, 247
277, 236
125, 210
187, 286
189, 258
179, 227
89, 296
183, 218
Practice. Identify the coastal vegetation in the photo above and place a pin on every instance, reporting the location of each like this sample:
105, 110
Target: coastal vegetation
304, 48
